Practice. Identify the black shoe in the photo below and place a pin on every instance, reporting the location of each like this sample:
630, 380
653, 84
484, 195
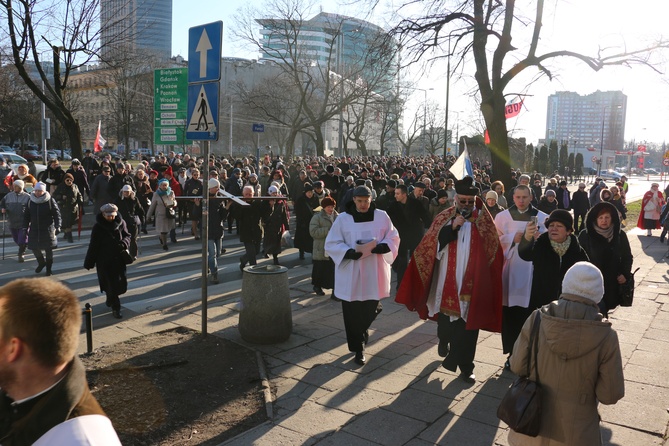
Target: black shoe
360, 358
48, 271
144, 231
319, 291
469, 378
165, 248
663, 236
241, 266
117, 314
443, 350
40, 267
174, 240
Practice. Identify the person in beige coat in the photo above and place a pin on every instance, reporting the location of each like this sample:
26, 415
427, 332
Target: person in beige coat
322, 273
579, 362
163, 200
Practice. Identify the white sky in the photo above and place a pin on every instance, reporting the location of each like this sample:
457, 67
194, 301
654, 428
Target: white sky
579, 25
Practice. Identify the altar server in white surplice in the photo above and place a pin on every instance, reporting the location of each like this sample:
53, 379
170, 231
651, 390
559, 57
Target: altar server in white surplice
362, 273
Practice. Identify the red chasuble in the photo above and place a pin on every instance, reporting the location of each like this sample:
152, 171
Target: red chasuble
485, 266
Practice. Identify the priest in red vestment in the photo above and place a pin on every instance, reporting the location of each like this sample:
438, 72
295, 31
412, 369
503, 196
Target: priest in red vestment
455, 278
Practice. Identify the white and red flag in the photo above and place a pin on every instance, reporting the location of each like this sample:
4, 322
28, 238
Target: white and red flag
99, 140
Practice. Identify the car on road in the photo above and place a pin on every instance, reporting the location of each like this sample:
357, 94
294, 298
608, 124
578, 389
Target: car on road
14, 160
56, 153
610, 175
31, 154
650, 172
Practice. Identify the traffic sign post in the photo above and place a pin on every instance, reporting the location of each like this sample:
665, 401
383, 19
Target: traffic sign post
258, 128
204, 73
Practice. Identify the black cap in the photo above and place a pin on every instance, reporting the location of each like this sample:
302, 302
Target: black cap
329, 168
561, 216
362, 191
308, 187
419, 184
360, 182
466, 186
392, 183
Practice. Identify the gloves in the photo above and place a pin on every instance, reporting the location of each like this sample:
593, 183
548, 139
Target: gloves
352, 254
381, 248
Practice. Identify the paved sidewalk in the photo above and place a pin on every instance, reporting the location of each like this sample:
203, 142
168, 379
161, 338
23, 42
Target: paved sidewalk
403, 396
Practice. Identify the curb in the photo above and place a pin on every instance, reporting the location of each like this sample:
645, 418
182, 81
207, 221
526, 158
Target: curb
266, 389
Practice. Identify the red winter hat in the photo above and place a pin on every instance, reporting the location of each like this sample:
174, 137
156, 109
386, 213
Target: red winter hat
168, 171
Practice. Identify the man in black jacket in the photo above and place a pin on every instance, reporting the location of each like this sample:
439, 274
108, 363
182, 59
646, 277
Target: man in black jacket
411, 219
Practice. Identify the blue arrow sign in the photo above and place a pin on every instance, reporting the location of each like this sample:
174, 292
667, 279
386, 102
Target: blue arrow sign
204, 52
202, 122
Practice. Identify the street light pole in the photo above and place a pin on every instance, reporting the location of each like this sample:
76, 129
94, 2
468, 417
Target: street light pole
601, 143
448, 91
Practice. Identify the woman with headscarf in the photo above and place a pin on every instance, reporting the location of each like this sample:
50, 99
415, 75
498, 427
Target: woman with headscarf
323, 269
53, 175
132, 214
651, 207
70, 201
42, 223
162, 206
275, 219
109, 238
609, 250
23, 173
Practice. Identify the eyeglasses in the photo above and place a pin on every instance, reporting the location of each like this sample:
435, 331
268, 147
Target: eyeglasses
467, 201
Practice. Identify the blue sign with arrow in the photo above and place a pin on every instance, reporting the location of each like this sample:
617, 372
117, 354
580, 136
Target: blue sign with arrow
204, 52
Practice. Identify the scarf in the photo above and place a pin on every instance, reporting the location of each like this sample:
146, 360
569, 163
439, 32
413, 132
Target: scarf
561, 248
167, 191
606, 233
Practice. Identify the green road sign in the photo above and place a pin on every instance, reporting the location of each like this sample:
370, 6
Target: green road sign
170, 105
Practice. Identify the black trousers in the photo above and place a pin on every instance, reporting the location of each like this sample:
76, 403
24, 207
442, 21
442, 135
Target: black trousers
358, 317
400, 264
513, 319
250, 254
461, 343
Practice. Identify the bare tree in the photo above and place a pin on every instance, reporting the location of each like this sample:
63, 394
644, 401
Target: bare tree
19, 108
51, 40
484, 29
320, 93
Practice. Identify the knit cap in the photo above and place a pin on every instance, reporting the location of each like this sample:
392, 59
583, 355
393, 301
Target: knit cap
584, 279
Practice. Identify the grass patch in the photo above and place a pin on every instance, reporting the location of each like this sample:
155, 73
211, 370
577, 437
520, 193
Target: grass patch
633, 211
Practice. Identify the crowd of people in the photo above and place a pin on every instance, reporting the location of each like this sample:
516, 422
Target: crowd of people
466, 252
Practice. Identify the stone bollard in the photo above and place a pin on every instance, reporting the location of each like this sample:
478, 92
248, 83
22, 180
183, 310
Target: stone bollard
265, 316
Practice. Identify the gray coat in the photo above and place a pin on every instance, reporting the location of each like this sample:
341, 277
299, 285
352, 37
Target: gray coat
15, 205
319, 226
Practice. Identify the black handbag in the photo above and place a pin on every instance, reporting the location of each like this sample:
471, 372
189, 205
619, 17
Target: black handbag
626, 291
169, 210
127, 257
520, 408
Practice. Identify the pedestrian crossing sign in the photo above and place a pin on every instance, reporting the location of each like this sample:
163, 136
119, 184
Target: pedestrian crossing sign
203, 112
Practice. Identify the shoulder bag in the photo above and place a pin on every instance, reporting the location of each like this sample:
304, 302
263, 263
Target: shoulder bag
169, 210
626, 291
127, 257
521, 406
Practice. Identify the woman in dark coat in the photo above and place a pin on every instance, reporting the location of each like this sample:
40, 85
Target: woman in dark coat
42, 220
552, 254
275, 218
144, 193
70, 201
304, 210
109, 238
132, 214
609, 250
580, 203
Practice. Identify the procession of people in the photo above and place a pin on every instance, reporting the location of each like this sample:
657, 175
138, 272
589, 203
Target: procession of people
465, 253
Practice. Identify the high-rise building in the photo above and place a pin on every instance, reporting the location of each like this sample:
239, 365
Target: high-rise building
589, 124
135, 26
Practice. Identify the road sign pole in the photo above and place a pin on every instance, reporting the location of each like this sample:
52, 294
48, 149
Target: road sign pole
258, 156
204, 236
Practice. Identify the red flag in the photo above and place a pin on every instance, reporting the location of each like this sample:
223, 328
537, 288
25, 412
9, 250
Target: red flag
486, 137
512, 110
99, 140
